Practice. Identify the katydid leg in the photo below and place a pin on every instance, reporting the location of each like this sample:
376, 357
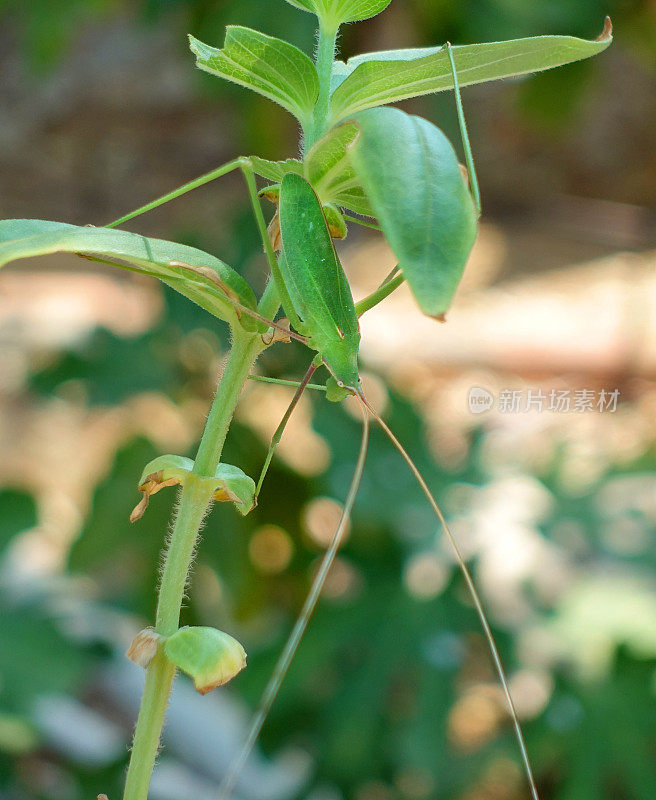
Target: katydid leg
288, 307
219, 172
283, 382
469, 158
389, 285
246, 168
277, 436
496, 658
285, 659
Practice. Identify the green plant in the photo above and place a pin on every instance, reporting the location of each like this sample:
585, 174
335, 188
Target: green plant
358, 158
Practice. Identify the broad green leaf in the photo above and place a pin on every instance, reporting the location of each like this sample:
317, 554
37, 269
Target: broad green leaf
315, 280
341, 70
275, 170
412, 177
269, 66
334, 12
197, 275
375, 79
210, 657
330, 172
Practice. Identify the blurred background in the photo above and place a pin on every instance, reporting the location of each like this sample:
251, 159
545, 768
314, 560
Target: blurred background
392, 695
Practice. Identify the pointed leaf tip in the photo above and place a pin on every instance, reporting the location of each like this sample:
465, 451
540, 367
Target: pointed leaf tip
607, 34
375, 79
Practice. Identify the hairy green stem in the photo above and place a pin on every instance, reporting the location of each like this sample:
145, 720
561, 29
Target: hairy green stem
195, 500
159, 678
245, 351
324, 63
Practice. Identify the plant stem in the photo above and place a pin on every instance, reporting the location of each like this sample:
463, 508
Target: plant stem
245, 350
195, 500
324, 64
379, 294
159, 678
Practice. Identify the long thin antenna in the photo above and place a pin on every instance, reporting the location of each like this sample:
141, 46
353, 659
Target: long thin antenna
469, 158
280, 670
472, 591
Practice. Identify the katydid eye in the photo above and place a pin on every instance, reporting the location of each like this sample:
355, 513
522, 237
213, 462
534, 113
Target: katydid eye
340, 384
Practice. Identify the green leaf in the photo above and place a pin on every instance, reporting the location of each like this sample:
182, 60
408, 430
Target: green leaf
210, 657
199, 276
334, 12
412, 177
238, 486
330, 172
167, 467
315, 280
229, 483
269, 66
275, 170
375, 79
326, 167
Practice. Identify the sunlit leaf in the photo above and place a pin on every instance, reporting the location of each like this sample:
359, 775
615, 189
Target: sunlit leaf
330, 172
269, 66
326, 167
334, 12
375, 79
199, 276
412, 177
275, 170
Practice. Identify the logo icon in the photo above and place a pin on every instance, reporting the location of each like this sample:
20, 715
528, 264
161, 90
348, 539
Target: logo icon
479, 400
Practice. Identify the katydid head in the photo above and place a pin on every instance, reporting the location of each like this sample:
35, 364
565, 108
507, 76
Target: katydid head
342, 363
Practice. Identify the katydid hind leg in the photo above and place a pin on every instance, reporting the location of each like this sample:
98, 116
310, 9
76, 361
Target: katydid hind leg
287, 304
196, 183
246, 168
284, 382
469, 158
277, 436
292, 643
496, 658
